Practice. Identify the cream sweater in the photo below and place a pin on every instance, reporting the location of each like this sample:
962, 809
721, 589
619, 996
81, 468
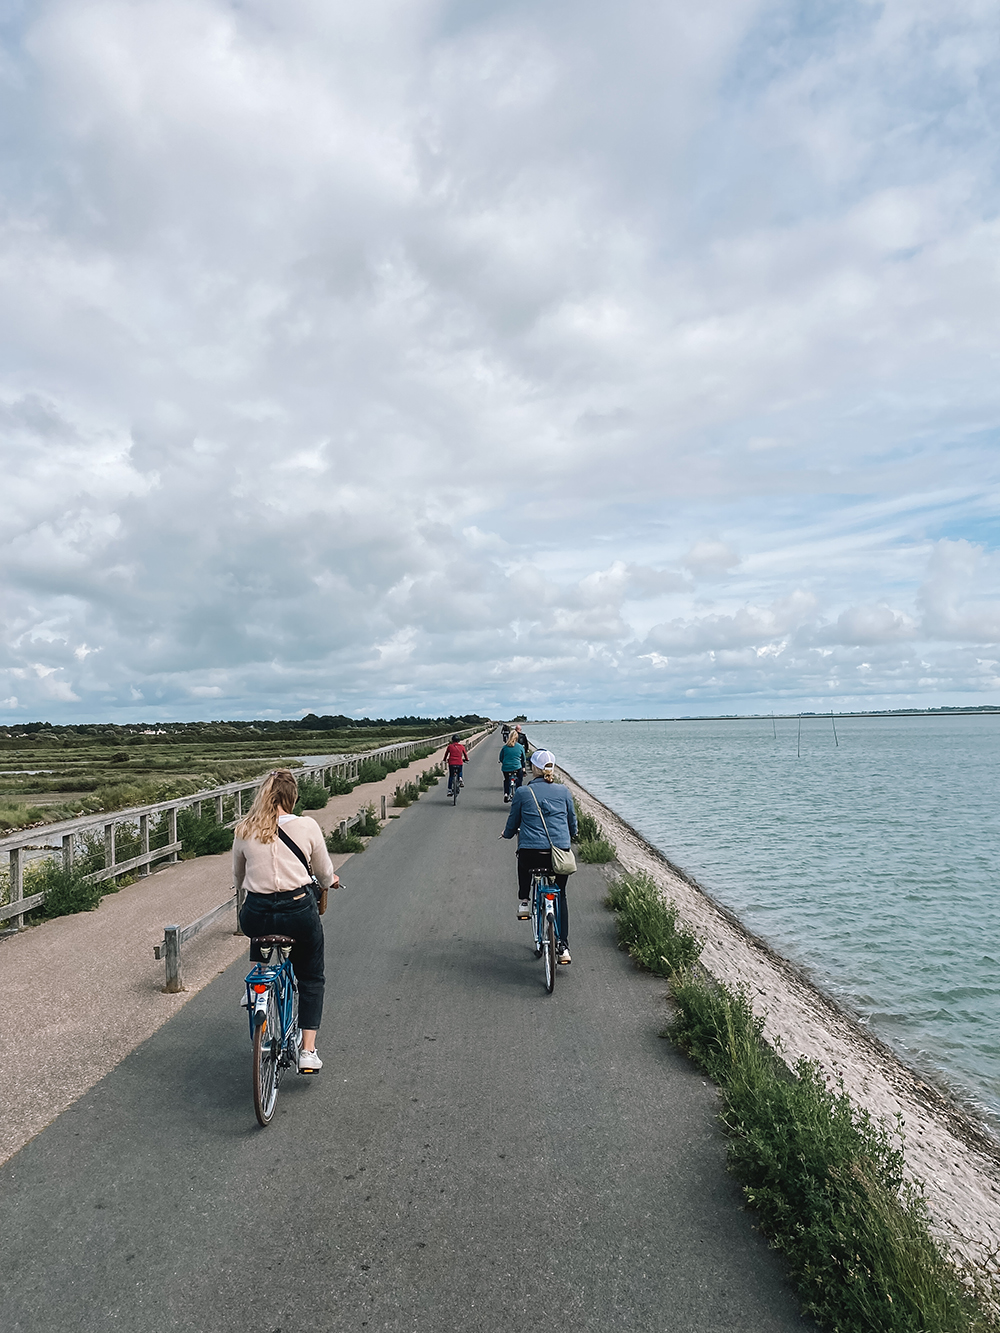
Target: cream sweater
271, 867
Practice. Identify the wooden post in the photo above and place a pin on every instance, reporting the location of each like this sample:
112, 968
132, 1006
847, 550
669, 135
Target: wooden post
343, 830
172, 828
17, 883
67, 851
238, 804
172, 953
144, 840
197, 809
218, 809
383, 806
109, 845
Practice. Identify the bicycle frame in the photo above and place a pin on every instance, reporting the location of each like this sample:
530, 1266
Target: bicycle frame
278, 977
545, 914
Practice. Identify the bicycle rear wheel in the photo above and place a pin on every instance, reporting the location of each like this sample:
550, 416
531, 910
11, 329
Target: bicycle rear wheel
266, 1054
549, 954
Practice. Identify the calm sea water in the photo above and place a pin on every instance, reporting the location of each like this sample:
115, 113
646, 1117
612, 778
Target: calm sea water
873, 865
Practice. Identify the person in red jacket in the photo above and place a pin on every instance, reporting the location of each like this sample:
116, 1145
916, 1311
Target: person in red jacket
456, 755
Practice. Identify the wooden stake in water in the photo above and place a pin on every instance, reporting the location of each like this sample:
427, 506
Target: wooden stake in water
798, 748
834, 721
773, 728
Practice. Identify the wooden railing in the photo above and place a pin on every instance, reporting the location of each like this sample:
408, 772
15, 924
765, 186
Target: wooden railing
64, 837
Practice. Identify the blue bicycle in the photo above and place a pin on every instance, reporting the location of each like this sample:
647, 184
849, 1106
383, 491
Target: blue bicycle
545, 922
273, 1006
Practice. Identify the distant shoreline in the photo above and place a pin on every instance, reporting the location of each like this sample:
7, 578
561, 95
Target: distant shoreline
979, 710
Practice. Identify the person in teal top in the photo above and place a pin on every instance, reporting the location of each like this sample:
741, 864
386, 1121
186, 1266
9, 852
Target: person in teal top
512, 766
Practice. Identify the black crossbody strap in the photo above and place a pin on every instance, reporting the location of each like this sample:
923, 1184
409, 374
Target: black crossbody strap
294, 846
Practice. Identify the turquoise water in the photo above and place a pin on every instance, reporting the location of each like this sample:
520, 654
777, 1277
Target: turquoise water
873, 865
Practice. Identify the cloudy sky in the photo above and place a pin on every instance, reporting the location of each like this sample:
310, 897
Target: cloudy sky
597, 359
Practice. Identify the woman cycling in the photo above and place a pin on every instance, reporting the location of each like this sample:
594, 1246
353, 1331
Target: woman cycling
543, 796
278, 900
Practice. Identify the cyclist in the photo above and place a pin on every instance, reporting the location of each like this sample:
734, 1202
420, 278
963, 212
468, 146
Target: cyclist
511, 763
505, 732
277, 902
456, 755
542, 796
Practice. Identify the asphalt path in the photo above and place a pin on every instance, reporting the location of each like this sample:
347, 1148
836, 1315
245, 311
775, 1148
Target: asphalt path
475, 1155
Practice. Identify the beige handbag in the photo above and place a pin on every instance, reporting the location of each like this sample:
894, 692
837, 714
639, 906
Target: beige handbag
563, 860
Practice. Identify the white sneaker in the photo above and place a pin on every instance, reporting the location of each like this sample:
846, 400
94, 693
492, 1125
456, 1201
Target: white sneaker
309, 1062
562, 955
523, 909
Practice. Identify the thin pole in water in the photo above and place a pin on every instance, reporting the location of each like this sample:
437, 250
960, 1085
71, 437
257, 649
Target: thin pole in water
798, 748
834, 721
773, 726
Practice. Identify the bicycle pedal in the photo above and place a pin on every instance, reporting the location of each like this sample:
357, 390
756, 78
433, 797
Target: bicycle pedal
524, 916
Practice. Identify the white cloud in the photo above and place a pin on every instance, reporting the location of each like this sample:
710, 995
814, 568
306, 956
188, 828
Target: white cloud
404, 352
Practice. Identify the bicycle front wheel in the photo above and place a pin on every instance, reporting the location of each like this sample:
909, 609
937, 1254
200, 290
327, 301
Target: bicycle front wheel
549, 954
266, 1054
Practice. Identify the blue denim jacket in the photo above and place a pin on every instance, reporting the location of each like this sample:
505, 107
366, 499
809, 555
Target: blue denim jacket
557, 806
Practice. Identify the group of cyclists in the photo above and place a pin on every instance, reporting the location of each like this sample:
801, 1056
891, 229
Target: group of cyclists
274, 849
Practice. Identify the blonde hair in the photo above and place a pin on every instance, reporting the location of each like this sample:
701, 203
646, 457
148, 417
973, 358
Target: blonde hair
548, 772
279, 789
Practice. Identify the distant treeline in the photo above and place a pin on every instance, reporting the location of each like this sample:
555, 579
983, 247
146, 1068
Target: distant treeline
185, 732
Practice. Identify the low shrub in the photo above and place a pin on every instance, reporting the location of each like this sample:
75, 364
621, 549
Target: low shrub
373, 770
204, 836
312, 796
66, 891
343, 842
339, 786
406, 794
647, 925
596, 851
427, 779
369, 825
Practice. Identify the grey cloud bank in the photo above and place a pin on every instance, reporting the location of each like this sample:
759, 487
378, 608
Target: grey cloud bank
413, 356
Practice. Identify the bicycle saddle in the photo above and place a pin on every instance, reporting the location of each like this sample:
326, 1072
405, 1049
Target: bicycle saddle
280, 941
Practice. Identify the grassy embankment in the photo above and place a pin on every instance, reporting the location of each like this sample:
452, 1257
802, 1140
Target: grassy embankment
825, 1178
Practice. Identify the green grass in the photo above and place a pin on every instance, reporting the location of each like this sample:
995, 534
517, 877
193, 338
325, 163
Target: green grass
825, 1178
596, 851
648, 926
588, 828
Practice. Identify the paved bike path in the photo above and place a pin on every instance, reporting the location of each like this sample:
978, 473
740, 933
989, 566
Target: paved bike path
475, 1155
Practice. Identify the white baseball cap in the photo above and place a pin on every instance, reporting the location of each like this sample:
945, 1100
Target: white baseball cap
541, 759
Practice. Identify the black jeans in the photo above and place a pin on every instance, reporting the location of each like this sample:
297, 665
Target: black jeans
295, 914
511, 782
540, 858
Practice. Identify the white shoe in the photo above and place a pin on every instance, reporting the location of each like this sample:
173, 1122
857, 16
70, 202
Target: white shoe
309, 1062
524, 909
562, 955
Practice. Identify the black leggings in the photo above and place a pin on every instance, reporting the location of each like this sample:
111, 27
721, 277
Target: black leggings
540, 858
297, 915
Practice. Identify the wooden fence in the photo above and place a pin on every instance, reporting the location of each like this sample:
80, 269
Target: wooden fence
64, 838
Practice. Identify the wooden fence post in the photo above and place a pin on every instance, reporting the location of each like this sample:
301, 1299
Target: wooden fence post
343, 829
144, 843
109, 845
17, 883
383, 805
67, 851
172, 954
172, 829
